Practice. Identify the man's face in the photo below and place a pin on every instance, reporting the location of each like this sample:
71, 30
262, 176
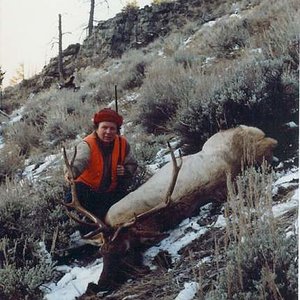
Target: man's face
107, 131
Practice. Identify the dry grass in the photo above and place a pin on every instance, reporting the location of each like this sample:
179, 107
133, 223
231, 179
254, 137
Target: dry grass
11, 161
29, 215
258, 255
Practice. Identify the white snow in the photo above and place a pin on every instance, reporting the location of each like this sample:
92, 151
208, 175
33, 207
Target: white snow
282, 208
292, 124
210, 23
32, 173
1, 142
16, 116
177, 239
189, 291
287, 178
74, 282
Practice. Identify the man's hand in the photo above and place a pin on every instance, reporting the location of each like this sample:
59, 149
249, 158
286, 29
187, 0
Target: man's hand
120, 170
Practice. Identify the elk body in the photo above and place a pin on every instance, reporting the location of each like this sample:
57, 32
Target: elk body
165, 199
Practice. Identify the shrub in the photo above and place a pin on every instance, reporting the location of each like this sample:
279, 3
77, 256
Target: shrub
19, 282
25, 208
168, 87
35, 114
227, 38
188, 59
132, 71
131, 6
66, 120
144, 150
127, 73
260, 258
158, 2
251, 93
105, 88
29, 216
11, 161
24, 135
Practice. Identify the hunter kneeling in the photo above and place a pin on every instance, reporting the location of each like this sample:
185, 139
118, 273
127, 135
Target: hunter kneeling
103, 166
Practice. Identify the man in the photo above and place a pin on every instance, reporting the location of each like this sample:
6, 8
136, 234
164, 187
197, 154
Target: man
104, 165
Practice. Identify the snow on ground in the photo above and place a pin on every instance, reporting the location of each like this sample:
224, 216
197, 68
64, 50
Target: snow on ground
76, 279
33, 172
1, 142
189, 291
179, 237
16, 116
74, 282
163, 156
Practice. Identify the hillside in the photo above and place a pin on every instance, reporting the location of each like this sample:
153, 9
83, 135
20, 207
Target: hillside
183, 71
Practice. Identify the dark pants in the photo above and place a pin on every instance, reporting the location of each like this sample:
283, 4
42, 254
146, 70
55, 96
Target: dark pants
96, 203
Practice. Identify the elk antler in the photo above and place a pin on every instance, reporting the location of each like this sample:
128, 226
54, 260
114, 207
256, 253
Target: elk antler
162, 205
101, 226
168, 198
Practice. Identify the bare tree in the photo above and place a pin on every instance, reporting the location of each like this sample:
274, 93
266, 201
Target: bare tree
1, 80
91, 15
60, 56
1, 76
91, 18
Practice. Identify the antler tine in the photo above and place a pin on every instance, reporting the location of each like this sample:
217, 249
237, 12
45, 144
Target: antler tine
176, 169
72, 161
75, 201
168, 199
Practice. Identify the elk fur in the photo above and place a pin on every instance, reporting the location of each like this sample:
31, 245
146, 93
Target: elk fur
202, 177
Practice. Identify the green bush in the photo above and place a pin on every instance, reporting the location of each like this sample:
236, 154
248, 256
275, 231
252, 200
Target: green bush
18, 282
228, 38
24, 135
168, 87
28, 216
11, 161
251, 93
66, 120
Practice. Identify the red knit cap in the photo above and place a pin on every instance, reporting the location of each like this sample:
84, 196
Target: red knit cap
108, 115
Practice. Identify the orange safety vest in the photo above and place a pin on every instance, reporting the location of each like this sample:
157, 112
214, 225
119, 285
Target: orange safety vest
92, 175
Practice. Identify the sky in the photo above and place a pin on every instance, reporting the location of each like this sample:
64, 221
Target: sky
29, 29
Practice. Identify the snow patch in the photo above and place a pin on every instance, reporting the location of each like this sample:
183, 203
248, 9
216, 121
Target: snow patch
74, 283
189, 291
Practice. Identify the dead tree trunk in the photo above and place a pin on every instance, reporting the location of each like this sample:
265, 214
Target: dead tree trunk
60, 56
91, 18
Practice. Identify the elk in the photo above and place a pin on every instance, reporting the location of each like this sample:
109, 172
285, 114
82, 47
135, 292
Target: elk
162, 202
